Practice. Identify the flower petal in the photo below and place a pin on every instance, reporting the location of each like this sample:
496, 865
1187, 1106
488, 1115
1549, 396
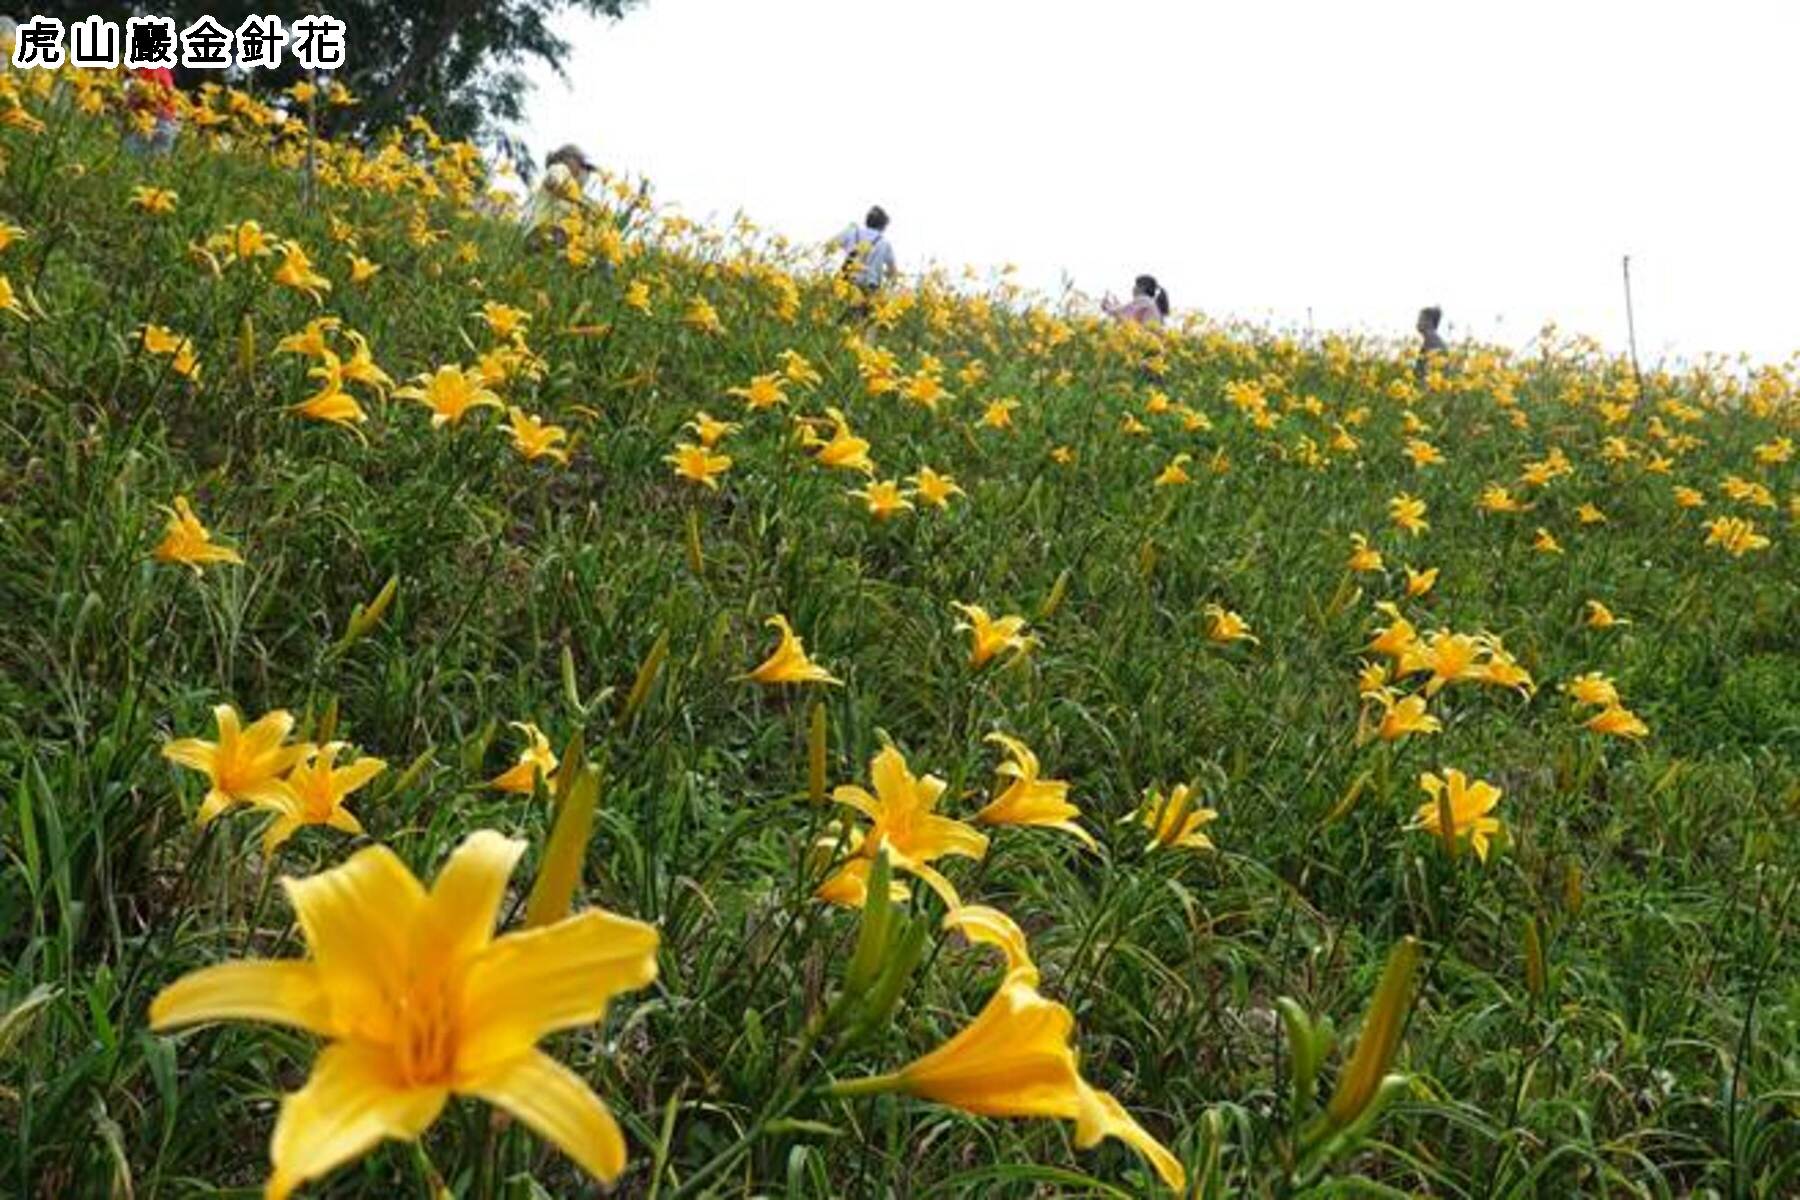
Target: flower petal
267, 732
195, 753
855, 797
527, 985
554, 1102
279, 831
283, 993
465, 898
1102, 1116
345, 1109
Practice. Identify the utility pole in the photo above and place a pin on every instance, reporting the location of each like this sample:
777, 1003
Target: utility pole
1631, 329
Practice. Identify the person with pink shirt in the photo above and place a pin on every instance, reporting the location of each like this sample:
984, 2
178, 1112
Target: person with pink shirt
1148, 305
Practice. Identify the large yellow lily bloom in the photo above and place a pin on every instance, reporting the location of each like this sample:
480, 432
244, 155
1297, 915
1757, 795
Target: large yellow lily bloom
419, 1001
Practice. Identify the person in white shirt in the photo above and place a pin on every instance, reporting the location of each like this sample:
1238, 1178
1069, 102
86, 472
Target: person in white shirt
868, 256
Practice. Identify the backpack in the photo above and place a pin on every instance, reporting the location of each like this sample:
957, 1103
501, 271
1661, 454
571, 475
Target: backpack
858, 256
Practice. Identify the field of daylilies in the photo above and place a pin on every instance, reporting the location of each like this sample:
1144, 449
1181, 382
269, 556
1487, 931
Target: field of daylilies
483, 720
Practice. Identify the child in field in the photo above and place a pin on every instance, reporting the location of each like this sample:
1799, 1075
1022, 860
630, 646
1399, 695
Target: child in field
558, 194
868, 258
151, 90
1148, 305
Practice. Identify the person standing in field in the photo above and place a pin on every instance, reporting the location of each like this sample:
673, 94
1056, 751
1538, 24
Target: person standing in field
559, 194
1430, 342
1148, 305
152, 90
868, 258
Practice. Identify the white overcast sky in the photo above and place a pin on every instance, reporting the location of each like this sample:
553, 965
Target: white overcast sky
1263, 158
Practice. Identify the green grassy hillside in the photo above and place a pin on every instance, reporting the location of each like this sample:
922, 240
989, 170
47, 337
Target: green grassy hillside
1604, 983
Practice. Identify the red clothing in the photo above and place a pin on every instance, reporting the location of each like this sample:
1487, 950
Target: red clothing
154, 87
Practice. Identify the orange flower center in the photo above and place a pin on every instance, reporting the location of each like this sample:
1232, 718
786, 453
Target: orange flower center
425, 1041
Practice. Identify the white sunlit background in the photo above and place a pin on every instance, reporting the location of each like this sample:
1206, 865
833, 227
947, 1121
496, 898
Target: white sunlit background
1338, 164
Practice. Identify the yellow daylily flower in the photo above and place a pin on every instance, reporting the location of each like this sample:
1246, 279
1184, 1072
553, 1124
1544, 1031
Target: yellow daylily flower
1775, 451
1618, 721
1398, 638
536, 761
1503, 670
503, 319
1496, 499
710, 430
637, 296
362, 270
245, 766
186, 363
883, 498
1736, 535
311, 340
1423, 453
1402, 716
9, 300
153, 200
844, 451
1469, 803
334, 405
698, 465
317, 789
789, 662
1029, 799
419, 1001
1364, 559
1687, 497
764, 392
1175, 822
185, 540
533, 438
1408, 512
934, 489
998, 414
160, 339
703, 317
1545, 542
989, 636
904, 823
926, 390
449, 392
1588, 514
361, 368
1448, 656
1225, 626
1601, 617
296, 272
1418, 583
1593, 688
1176, 472
246, 240
798, 371
1016, 1059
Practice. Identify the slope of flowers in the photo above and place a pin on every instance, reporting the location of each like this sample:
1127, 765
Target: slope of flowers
490, 719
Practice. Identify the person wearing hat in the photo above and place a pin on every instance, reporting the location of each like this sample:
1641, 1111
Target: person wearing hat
559, 193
